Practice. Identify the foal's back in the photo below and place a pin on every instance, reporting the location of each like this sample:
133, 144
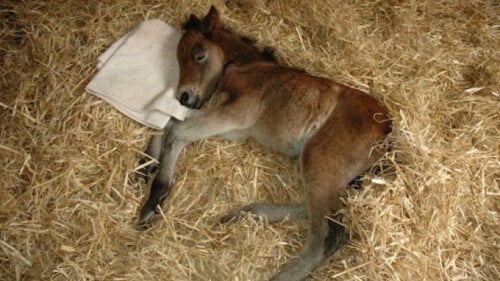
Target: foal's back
292, 105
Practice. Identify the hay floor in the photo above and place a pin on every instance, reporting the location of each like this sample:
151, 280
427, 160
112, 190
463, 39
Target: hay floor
68, 194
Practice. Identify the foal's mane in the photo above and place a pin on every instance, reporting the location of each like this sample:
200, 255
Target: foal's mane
195, 24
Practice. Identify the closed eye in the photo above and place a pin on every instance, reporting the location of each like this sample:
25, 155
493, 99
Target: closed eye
200, 57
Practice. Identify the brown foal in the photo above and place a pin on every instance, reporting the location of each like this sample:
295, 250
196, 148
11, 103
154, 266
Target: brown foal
334, 130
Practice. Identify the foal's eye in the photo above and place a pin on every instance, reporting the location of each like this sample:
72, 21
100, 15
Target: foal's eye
200, 57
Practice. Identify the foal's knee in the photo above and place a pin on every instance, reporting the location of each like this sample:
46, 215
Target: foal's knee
177, 137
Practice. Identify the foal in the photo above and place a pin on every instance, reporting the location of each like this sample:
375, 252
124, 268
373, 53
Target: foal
331, 128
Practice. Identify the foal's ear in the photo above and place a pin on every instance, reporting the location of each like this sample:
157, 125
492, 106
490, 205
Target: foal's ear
192, 23
211, 20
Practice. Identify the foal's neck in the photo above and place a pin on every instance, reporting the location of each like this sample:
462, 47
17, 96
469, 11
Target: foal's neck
236, 51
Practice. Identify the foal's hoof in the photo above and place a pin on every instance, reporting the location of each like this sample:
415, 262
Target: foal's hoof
146, 217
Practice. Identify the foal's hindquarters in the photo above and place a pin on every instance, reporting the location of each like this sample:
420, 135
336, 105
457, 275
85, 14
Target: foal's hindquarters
342, 148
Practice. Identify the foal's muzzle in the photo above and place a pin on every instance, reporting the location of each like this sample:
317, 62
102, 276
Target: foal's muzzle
190, 100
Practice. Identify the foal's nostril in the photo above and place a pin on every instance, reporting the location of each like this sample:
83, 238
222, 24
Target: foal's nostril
184, 98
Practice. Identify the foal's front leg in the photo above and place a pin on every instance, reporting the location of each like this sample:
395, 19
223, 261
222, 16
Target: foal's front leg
154, 150
156, 144
181, 134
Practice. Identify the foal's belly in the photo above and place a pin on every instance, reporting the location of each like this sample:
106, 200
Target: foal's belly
287, 129
288, 147
287, 139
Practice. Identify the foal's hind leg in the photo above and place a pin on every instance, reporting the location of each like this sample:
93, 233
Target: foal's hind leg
273, 212
329, 161
324, 236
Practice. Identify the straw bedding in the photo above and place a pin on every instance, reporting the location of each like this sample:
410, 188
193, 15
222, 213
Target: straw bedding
68, 161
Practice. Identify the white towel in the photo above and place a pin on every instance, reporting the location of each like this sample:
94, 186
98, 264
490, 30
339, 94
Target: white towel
139, 73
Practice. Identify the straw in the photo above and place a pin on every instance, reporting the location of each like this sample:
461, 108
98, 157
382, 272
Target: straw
69, 195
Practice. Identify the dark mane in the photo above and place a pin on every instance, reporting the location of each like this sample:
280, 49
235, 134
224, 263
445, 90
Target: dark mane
267, 51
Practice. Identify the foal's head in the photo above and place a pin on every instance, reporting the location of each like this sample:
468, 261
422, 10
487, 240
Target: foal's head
204, 50
201, 60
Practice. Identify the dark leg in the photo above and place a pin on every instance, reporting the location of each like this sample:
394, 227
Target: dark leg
154, 150
161, 184
157, 143
324, 238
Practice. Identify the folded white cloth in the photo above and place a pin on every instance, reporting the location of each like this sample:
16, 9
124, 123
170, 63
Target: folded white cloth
139, 73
